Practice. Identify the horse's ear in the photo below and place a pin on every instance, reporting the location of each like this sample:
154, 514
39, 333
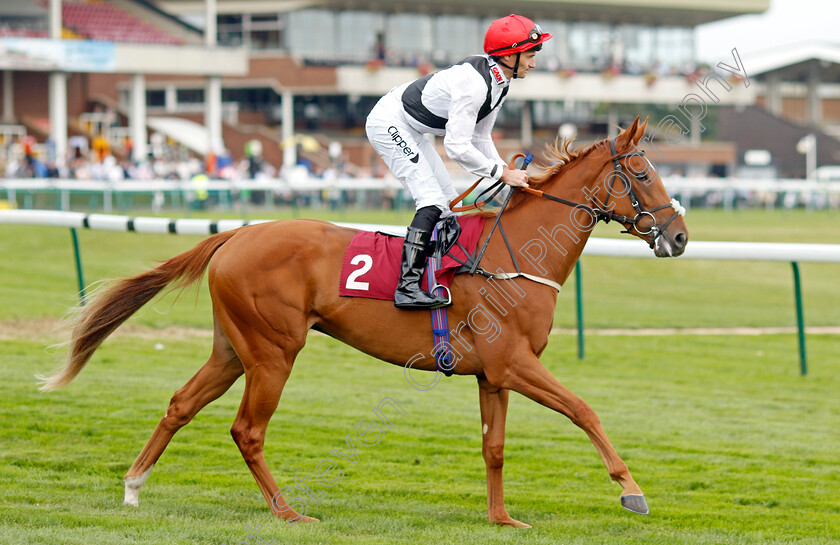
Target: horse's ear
640, 132
628, 136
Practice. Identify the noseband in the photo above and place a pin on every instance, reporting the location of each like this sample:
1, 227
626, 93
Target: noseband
606, 214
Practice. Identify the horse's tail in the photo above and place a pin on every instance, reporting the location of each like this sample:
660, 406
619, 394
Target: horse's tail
114, 303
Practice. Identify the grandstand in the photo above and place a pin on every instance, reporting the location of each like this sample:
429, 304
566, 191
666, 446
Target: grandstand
104, 21
94, 20
284, 74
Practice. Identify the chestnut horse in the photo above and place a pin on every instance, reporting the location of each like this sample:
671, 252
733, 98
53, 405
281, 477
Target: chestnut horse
271, 283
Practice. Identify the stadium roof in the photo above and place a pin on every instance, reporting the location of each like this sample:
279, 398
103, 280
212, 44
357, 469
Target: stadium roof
650, 12
21, 8
793, 62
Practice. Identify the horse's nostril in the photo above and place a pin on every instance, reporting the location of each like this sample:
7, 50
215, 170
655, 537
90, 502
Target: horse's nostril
680, 239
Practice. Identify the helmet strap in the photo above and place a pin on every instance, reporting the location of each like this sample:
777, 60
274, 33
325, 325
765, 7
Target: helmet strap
514, 68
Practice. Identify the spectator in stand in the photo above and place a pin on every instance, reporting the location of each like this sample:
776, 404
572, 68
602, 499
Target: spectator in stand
312, 114
380, 53
101, 147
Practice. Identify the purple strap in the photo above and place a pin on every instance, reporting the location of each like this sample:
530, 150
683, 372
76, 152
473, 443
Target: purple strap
440, 323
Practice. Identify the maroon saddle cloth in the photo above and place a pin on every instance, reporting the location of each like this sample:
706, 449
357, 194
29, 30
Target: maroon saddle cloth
371, 265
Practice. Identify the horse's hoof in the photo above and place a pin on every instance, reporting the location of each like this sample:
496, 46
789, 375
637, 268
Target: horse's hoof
296, 519
511, 522
635, 503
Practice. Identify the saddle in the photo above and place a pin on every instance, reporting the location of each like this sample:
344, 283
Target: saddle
370, 267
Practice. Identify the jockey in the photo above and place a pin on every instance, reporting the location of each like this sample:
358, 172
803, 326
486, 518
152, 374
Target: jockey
460, 103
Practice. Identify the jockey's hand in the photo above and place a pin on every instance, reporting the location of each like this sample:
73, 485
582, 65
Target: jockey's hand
515, 178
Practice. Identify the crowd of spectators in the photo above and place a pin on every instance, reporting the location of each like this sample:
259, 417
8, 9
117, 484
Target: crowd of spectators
23, 158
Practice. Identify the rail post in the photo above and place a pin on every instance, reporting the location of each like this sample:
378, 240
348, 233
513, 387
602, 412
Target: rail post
77, 252
800, 320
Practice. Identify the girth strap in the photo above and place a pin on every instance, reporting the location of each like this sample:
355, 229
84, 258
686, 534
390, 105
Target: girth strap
531, 277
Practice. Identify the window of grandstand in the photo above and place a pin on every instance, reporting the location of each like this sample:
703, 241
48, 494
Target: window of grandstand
254, 30
555, 52
456, 37
190, 96
589, 46
266, 31
409, 38
229, 29
639, 47
358, 32
252, 99
674, 47
156, 98
311, 34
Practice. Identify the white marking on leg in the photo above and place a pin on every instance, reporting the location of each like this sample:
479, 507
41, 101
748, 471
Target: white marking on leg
132, 487
484, 430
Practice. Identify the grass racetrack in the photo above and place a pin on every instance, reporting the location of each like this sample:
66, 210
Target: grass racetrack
728, 442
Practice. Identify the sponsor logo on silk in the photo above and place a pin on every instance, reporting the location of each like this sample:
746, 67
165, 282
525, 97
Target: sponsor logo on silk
497, 74
400, 142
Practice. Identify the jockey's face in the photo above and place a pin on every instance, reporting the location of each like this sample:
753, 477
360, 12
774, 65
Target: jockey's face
526, 63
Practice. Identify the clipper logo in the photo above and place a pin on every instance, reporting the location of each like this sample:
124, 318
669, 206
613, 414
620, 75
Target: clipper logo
400, 142
497, 74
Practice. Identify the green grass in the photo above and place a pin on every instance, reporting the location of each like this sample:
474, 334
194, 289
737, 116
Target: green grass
727, 441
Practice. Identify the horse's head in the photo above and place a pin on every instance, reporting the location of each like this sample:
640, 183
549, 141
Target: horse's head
628, 189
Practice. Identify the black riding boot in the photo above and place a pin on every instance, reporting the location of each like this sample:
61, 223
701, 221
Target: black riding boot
409, 294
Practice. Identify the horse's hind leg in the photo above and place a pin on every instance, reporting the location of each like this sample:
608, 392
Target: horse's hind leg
210, 382
532, 380
263, 385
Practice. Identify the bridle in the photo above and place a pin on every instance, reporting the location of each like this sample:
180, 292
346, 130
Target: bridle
606, 214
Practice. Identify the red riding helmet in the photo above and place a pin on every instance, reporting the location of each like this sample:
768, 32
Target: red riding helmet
513, 34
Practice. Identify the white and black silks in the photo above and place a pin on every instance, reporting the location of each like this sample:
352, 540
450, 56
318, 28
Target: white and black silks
461, 104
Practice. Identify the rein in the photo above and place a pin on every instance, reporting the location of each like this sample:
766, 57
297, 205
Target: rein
471, 265
604, 214
495, 188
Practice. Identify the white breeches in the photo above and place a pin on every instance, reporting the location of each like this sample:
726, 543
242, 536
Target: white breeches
411, 158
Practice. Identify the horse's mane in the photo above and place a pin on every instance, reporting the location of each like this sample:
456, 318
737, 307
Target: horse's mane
557, 157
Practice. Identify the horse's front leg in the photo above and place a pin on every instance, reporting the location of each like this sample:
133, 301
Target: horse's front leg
528, 377
494, 402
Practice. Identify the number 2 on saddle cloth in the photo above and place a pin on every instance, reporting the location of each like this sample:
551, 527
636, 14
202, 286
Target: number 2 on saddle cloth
370, 267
